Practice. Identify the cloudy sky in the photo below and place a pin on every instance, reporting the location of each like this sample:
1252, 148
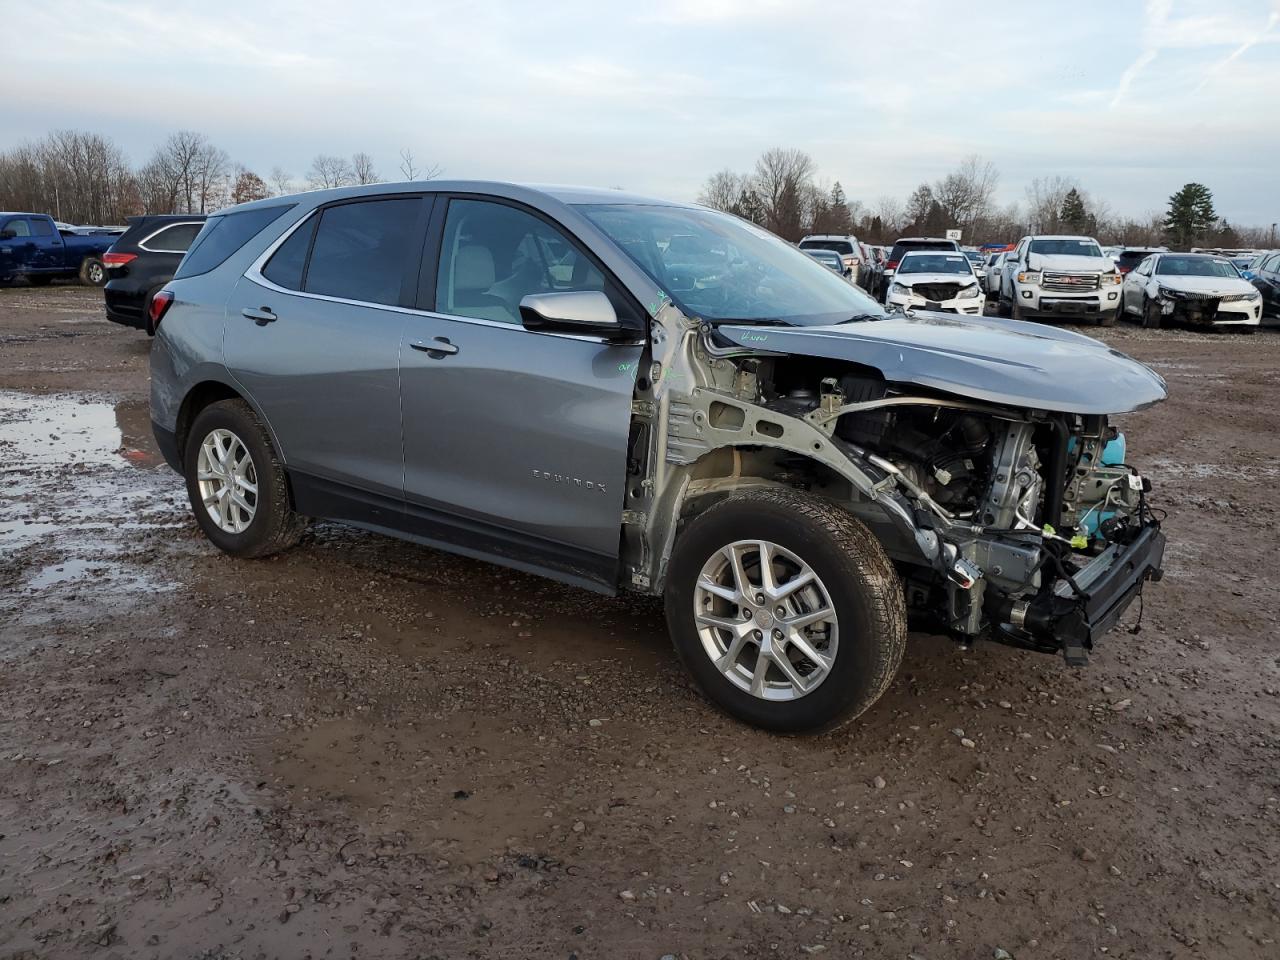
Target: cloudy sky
1130, 98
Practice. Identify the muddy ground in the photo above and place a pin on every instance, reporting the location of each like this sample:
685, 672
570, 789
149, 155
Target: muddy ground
368, 749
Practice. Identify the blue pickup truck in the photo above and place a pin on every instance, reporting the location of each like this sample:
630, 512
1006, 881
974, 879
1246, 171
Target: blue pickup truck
31, 246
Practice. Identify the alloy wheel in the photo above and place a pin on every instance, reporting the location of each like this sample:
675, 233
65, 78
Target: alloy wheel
228, 481
766, 620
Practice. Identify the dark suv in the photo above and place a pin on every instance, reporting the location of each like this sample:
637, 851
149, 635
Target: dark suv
627, 394
142, 261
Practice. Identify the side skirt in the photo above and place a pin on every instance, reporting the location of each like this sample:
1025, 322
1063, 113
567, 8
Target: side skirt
467, 537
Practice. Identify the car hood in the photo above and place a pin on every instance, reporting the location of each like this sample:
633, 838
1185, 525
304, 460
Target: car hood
1008, 362
1069, 261
1205, 284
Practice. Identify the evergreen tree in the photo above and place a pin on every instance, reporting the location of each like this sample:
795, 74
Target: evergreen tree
1190, 214
750, 206
1073, 215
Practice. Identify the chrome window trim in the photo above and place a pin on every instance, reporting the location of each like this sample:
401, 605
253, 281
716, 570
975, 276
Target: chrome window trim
142, 244
254, 274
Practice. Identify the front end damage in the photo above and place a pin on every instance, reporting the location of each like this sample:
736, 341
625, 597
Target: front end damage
1008, 522
1202, 309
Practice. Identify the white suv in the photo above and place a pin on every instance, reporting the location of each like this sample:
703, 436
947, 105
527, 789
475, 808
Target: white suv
1056, 276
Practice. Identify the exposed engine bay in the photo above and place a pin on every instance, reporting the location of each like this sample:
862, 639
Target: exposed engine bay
1020, 525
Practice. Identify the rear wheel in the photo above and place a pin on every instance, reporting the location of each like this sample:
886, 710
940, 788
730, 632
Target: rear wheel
237, 484
785, 610
93, 272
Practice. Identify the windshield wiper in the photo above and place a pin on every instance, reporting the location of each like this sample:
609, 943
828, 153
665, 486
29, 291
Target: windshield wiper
860, 317
753, 321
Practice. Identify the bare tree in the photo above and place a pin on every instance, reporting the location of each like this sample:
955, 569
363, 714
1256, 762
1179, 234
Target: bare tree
919, 204
782, 178
723, 190
329, 171
71, 174
411, 170
965, 193
281, 181
362, 171
1044, 202
892, 216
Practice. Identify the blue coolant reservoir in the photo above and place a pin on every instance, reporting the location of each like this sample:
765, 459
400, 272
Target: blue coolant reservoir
1113, 452
1113, 455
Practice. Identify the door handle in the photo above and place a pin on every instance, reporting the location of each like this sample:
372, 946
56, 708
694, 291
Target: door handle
259, 315
436, 349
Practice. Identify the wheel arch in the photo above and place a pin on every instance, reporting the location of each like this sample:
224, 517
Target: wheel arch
209, 391
733, 468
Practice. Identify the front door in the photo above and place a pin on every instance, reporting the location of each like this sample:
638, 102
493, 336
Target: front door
314, 339
515, 442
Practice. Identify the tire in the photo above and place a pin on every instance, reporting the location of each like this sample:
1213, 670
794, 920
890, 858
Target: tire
1151, 318
39, 280
93, 272
1108, 318
271, 525
1015, 311
854, 581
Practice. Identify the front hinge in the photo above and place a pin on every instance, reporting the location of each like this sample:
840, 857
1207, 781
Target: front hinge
636, 518
644, 408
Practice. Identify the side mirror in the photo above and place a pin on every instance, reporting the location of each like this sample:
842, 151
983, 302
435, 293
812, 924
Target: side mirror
575, 311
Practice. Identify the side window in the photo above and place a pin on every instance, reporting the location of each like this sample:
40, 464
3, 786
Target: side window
18, 227
41, 228
284, 269
1273, 265
174, 239
361, 250
493, 255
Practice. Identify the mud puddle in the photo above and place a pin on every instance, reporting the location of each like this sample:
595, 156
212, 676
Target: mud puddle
81, 505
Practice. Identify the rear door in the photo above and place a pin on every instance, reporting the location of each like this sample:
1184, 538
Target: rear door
515, 441
314, 338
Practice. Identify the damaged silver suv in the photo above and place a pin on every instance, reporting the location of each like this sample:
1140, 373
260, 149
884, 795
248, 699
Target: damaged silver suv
627, 394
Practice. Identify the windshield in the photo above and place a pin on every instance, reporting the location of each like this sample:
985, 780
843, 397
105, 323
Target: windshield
1194, 267
974, 257
1075, 248
725, 269
934, 263
839, 246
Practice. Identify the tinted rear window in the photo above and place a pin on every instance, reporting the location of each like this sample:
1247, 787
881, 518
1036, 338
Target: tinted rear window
222, 236
361, 250
902, 246
285, 266
174, 239
839, 246
41, 228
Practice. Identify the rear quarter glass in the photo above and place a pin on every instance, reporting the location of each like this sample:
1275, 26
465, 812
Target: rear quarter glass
223, 235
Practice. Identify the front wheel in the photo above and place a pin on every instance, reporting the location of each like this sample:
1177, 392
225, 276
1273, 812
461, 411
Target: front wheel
237, 484
785, 610
1151, 317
